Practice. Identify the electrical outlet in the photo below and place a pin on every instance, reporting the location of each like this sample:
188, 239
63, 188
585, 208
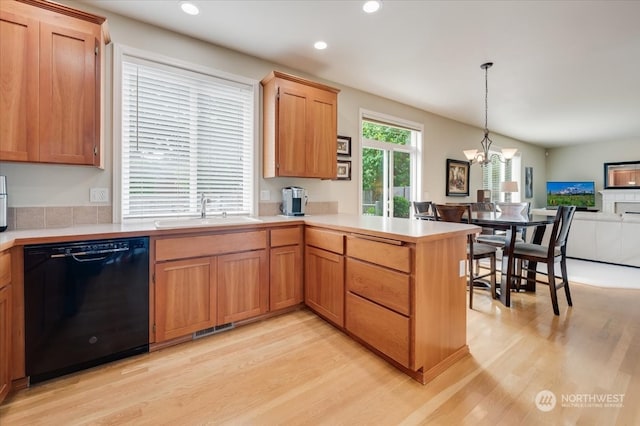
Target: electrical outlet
265, 195
99, 195
463, 268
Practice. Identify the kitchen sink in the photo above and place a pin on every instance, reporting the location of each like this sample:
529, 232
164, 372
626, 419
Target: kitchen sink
209, 221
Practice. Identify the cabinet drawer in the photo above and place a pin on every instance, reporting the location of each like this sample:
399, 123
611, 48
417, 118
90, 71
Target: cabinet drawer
286, 236
383, 286
324, 239
383, 329
384, 254
209, 245
5, 268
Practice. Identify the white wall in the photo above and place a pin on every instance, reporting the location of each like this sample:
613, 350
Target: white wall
586, 162
49, 185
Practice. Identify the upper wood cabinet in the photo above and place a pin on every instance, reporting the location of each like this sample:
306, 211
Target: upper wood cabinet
50, 69
300, 127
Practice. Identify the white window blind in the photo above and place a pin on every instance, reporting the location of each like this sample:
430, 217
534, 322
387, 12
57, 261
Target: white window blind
184, 134
497, 171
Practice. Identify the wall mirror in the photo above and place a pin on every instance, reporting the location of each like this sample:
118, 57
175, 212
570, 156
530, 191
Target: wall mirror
622, 175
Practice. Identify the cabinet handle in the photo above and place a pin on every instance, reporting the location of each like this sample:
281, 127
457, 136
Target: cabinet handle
377, 239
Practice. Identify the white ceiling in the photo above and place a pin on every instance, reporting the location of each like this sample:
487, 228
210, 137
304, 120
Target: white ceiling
566, 72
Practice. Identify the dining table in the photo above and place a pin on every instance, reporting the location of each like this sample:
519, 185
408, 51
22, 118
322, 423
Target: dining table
511, 223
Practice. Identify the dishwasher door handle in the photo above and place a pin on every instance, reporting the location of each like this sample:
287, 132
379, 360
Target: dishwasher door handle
85, 253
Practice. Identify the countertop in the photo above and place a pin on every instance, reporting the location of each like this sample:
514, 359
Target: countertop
409, 230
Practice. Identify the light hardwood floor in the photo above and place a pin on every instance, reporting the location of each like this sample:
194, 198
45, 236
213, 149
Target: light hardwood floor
297, 369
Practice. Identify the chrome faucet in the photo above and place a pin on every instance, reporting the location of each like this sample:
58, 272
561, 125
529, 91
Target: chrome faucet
203, 205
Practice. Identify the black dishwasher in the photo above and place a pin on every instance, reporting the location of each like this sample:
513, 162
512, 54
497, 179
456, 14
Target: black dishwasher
86, 303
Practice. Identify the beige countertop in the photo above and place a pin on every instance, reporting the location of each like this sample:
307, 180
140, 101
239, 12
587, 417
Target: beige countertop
409, 230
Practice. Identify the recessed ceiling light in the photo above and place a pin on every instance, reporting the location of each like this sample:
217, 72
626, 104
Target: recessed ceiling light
371, 6
189, 8
320, 45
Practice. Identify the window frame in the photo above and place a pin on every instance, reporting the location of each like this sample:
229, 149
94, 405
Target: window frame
414, 150
119, 52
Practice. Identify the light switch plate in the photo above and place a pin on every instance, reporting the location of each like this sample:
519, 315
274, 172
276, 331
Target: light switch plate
265, 195
463, 268
99, 195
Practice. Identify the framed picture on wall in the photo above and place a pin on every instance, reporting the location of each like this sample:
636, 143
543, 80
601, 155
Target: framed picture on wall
528, 182
344, 170
344, 145
457, 178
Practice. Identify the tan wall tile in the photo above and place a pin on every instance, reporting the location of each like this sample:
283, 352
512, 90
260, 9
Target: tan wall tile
85, 215
322, 207
58, 217
313, 207
29, 217
11, 218
268, 209
105, 214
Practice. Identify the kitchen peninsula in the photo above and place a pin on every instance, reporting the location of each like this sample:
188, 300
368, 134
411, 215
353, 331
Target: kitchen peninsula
397, 286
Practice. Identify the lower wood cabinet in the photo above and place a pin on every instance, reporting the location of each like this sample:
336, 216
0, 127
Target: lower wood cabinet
5, 324
324, 284
385, 330
243, 286
285, 280
185, 297
285, 268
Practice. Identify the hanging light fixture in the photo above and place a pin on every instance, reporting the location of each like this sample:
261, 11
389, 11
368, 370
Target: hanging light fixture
484, 157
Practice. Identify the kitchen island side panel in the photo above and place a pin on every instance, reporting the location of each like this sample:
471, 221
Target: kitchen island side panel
440, 304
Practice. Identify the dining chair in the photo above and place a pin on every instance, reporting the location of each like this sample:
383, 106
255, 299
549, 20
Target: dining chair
484, 207
551, 254
514, 209
475, 251
499, 239
425, 210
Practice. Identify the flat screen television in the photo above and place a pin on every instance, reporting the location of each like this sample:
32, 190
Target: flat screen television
577, 193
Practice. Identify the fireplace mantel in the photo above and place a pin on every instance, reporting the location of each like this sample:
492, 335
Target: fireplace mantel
623, 196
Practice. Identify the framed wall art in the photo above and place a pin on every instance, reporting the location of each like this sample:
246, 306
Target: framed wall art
344, 170
528, 182
344, 145
457, 178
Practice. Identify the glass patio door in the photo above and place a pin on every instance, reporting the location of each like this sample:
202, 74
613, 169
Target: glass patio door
389, 169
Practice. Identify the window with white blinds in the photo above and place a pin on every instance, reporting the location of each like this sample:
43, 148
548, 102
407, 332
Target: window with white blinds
184, 134
499, 171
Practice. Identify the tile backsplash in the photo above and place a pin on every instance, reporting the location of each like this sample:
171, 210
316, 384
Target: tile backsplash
56, 217
313, 207
61, 217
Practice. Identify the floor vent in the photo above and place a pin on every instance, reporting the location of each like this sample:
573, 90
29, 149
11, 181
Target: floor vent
212, 330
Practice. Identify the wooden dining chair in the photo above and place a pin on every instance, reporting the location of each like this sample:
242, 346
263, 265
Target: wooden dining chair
475, 251
551, 254
425, 210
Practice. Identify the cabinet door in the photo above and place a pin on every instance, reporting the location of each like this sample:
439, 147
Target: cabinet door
324, 284
19, 95
5, 340
243, 286
321, 156
69, 92
285, 283
293, 102
185, 297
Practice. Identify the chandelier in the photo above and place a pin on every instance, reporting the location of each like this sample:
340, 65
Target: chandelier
484, 157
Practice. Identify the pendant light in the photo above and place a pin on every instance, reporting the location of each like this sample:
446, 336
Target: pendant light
484, 157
